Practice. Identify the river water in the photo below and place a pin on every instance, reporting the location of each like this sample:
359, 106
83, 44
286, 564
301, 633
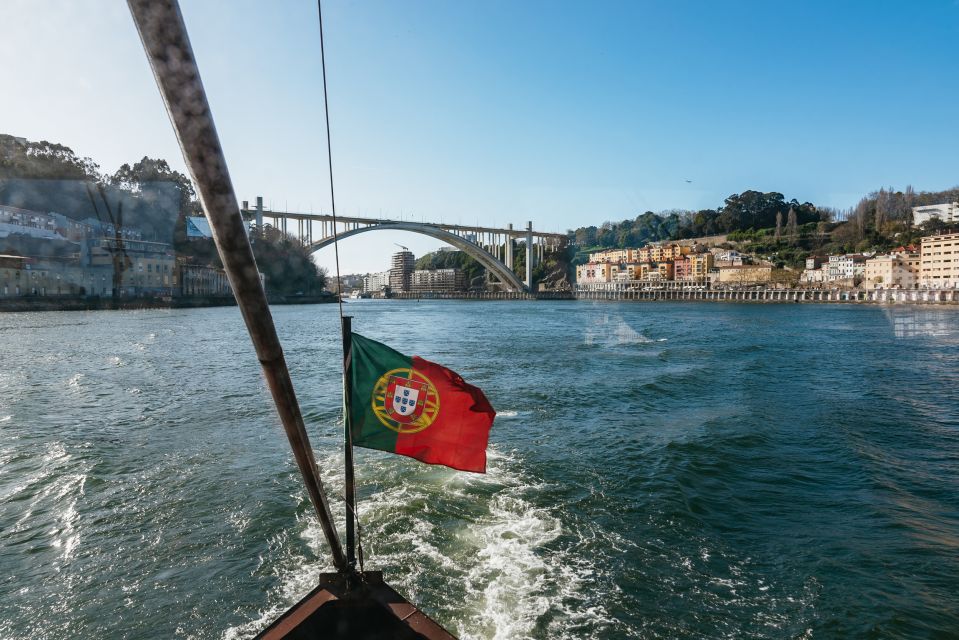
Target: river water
685, 470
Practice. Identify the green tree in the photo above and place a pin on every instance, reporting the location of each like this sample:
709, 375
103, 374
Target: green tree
287, 264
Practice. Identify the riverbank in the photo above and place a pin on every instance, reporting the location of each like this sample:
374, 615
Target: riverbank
59, 303
613, 293
876, 296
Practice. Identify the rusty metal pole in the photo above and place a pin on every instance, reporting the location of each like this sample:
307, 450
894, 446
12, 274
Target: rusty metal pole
349, 490
168, 49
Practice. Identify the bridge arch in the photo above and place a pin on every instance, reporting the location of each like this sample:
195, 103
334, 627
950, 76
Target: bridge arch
484, 257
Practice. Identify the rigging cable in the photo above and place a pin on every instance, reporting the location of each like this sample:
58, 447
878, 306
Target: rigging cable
336, 253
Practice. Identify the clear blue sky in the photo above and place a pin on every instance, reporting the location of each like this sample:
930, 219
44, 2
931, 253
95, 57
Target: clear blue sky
562, 113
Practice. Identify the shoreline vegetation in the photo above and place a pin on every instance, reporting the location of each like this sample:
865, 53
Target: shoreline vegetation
785, 232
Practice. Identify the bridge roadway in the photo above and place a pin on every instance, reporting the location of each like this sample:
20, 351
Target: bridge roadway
490, 246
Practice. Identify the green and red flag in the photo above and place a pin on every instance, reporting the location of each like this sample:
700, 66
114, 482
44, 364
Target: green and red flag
416, 408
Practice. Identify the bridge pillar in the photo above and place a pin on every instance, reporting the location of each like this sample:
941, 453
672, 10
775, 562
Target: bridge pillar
259, 213
509, 248
529, 255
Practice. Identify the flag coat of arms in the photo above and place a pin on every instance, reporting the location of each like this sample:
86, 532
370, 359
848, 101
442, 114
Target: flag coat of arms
416, 408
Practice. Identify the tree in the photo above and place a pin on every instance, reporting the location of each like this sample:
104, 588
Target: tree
779, 225
159, 197
287, 264
43, 160
791, 227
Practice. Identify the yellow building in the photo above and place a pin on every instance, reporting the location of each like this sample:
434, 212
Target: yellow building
700, 264
627, 271
895, 271
650, 271
939, 262
665, 270
594, 272
673, 252
745, 274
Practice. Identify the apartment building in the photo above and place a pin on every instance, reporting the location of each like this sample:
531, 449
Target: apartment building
939, 261
374, 282
401, 271
613, 255
438, 281
594, 272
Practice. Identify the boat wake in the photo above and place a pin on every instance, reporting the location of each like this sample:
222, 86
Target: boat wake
612, 331
475, 552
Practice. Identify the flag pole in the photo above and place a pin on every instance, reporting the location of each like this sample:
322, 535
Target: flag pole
349, 488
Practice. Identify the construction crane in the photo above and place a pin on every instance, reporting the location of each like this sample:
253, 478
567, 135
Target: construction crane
401, 246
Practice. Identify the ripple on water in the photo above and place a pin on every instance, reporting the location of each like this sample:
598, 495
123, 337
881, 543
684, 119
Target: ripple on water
759, 474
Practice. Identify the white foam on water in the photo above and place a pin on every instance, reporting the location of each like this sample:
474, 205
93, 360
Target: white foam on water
615, 331
509, 413
720, 583
508, 583
493, 577
519, 577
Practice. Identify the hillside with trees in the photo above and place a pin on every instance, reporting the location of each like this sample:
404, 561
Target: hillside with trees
785, 232
148, 196
552, 270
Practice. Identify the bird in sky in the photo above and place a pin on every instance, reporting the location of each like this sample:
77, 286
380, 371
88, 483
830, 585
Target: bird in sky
689, 181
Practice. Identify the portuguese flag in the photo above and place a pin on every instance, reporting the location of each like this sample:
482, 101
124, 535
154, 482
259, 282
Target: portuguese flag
416, 408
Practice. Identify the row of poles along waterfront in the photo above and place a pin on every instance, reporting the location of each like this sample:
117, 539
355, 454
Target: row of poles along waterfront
770, 295
930, 296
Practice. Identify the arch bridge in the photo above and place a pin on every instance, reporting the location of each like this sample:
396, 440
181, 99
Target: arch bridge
491, 247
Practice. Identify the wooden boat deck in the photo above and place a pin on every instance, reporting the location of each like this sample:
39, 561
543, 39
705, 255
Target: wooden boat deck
368, 609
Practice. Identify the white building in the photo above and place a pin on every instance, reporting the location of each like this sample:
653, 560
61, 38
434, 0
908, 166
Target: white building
374, 282
948, 212
845, 267
813, 276
729, 258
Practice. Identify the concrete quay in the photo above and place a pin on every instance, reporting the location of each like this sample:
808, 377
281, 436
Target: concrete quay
875, 296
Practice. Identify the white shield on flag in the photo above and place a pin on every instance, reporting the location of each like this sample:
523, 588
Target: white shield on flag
404, 399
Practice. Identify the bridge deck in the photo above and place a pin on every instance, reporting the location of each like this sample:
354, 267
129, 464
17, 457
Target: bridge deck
319, 217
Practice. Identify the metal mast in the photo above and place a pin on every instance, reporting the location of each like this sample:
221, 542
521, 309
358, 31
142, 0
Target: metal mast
168, 49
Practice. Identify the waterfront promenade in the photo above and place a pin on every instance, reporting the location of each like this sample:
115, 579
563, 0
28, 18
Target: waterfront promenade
616, 291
